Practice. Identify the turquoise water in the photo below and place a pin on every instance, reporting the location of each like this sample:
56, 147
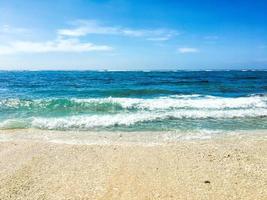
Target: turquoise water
134, 101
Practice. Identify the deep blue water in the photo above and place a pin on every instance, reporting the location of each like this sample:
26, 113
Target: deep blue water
134, 101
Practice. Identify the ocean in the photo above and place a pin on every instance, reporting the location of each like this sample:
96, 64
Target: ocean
134, 101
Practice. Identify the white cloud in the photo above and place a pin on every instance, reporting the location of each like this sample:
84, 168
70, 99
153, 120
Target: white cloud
187, 50
67, 40
60, 45
83, 28
87, 27
6, 29
158, 39
162, 38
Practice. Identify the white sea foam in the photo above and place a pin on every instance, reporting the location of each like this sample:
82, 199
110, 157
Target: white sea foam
14, 123
162, 103
127, 119
184, 101
137, 110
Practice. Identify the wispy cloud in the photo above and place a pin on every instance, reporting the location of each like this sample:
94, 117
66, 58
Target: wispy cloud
86, 27
59, 45
187, 50
162, 38
6, 29
68, 40
83, 28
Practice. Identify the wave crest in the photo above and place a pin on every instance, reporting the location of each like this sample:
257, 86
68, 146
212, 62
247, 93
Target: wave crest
127, 119
85, 114
118, 104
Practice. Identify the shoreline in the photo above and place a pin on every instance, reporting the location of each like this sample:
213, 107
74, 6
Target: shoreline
122, 137
231, 167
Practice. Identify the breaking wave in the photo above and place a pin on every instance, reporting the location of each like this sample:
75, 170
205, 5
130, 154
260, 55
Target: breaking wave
169, 102
84, 114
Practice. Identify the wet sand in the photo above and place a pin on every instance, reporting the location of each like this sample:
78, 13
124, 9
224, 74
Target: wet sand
225, 168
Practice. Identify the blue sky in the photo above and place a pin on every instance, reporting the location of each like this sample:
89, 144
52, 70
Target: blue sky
133, 34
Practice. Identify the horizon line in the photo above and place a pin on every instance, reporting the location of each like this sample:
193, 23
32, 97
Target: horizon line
136, 70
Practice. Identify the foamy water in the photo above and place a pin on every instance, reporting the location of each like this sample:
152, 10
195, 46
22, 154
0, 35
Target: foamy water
134, 101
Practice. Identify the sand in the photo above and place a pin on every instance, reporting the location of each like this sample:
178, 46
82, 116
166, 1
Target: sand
223, 168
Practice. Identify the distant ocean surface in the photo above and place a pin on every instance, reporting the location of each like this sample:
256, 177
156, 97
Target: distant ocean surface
134, 101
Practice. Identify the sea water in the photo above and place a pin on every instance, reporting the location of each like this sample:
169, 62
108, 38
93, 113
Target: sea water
174, 101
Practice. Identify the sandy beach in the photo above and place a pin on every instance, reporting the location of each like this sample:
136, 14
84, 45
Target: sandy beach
133, 100
232, 167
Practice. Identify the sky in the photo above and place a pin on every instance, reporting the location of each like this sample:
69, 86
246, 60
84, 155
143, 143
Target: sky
133, 34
